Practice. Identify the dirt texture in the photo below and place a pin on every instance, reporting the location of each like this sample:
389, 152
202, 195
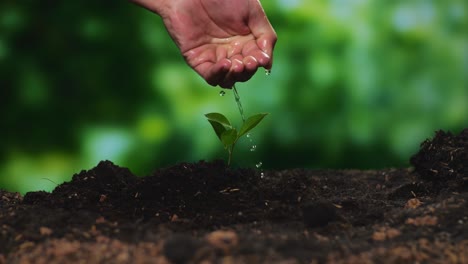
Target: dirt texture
206, 212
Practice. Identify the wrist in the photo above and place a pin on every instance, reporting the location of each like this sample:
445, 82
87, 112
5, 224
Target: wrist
160, 7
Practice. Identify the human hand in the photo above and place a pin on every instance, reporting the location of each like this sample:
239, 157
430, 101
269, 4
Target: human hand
225, 41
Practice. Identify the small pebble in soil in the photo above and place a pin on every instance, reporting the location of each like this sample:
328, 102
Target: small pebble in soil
318, 214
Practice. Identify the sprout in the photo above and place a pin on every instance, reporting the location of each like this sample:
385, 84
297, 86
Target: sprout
227, 134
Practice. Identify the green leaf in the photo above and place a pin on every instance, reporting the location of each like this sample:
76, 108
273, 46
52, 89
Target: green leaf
250, 123
219, 118
218, 128
229, 137
219, 123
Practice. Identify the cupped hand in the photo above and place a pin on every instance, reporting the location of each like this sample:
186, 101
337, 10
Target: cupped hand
225, 41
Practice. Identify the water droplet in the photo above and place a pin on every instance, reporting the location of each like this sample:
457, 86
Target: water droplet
238, 102
258, 165
267, 72
248, 135
222, 93
262, 175
253, 148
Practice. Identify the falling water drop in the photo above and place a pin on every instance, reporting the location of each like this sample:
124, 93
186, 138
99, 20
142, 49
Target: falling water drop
267, 72
253, 148
259, 164
222, 93
250, 138
262, 175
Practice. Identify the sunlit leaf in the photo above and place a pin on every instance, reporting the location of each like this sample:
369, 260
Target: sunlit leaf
250, 123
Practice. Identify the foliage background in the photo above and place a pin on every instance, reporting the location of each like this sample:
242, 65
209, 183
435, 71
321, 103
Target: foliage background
356, 84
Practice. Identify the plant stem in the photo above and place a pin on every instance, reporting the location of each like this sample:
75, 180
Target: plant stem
231, 148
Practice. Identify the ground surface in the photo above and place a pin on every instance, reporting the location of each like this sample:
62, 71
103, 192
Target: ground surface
205, 212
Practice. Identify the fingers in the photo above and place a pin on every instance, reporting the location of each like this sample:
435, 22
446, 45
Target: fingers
219, 67
262, 58
243, 68
263, 31
241, 71
227, 72
267, 44
214, 73
233, 75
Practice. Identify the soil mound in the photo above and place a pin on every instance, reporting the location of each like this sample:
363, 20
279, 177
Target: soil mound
444, 159
207, 193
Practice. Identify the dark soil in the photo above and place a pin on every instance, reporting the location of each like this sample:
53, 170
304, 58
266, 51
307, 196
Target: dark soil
206, 212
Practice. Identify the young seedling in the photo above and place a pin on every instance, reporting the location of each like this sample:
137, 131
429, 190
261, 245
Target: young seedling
227, 134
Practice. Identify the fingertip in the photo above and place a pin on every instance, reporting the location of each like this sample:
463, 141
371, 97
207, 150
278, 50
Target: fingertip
223, 65
250, 63
267, 44
237, 66
262, 59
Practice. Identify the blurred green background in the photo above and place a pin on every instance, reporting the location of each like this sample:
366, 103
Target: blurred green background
355, 84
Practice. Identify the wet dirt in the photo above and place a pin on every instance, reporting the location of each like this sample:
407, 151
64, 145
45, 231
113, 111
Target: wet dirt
207, 212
